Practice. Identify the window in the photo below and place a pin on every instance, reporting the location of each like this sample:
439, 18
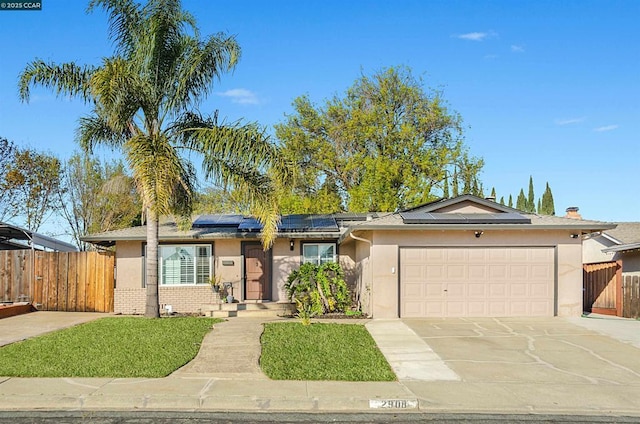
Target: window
184, 264
318, 253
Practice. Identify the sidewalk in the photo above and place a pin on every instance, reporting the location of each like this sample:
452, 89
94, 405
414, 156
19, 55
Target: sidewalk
228, 378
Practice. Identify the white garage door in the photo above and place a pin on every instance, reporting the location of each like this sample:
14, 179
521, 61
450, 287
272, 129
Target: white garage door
476, 282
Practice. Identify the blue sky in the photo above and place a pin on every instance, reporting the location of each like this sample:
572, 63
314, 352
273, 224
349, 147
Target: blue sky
545, 88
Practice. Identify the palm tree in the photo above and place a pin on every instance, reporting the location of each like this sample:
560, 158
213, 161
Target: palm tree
142, 99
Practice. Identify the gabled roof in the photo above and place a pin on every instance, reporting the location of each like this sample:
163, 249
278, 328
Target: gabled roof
626, 236
430, 217
443, 203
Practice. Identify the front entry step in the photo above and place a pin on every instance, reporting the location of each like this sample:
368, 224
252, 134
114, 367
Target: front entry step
250, 309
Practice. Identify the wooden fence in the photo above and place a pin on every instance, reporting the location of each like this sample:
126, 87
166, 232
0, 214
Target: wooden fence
631, 296
602, 292
58, 281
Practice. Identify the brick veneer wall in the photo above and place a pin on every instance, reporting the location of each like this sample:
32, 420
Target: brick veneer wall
185, 299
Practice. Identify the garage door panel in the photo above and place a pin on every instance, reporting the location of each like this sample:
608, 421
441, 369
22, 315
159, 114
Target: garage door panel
415, 273
456, 272
477, 290
434, 290
498, 272
489, 281
477, 272
415, 290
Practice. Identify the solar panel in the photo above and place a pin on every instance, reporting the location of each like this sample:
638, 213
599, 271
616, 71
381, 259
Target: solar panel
308, 223
218, 220
460, 218
250, 224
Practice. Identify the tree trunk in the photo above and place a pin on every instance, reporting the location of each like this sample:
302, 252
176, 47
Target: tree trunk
152, 309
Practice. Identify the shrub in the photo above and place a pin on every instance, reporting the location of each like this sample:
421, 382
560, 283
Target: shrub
318, 289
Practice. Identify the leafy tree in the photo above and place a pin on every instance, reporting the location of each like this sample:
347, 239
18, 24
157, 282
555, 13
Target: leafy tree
32, 179
96, 197
386, 144
143, 99
7, 152
547, 207
521, 202
531, 202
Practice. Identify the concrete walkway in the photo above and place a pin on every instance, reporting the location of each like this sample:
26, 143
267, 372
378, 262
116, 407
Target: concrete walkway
225, 377
409, 356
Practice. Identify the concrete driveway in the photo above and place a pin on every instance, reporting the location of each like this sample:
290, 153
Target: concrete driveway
539, 364
546, 350
33, 324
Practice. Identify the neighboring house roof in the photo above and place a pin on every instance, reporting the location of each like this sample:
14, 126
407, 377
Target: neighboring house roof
14, 237
459, 213
626, 236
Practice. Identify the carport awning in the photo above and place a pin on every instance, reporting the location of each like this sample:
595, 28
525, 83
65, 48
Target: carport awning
10, 232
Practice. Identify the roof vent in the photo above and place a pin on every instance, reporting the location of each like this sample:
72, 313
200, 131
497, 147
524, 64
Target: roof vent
572, 212
490, 198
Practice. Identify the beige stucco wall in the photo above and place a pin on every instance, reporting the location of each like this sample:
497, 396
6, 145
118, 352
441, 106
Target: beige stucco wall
592, 250
130, 293
385, 262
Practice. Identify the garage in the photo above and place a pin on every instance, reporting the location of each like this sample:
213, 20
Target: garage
477, 281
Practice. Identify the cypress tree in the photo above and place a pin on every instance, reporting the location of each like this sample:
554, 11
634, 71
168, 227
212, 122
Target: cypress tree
521, 202
456, 191
539, 205
502, 200
548, 207
510, 204
531, 201
445, 188
493, 193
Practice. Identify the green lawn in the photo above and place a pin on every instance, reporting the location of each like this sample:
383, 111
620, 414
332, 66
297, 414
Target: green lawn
347, 352
109, 347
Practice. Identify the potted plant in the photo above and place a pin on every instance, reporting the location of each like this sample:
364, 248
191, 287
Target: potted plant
216, 285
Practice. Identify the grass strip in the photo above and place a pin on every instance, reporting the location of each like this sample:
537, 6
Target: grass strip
340, 352
118, 347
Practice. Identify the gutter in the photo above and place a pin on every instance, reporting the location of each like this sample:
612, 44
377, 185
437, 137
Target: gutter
370, 269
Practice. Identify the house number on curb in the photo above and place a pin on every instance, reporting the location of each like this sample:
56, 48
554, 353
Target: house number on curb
393, 404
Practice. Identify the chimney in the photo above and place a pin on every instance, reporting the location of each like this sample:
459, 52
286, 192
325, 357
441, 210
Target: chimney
572, 212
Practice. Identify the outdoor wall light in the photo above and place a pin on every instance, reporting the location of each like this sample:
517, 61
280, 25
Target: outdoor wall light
292, 243
574, 235
479, 233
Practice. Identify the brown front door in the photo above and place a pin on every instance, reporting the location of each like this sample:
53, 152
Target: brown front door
257, 272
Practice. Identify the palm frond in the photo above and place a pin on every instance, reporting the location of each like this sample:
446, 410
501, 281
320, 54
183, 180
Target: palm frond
93, 131
124, 22
201, 64
67, 78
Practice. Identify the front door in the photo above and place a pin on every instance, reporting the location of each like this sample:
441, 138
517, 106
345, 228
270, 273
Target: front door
257, 272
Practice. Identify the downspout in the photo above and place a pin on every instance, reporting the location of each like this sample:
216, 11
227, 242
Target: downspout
370, 269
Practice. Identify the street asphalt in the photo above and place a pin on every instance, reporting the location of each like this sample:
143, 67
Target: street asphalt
587, 367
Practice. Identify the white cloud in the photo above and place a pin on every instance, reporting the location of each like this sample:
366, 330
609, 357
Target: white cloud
569, 121
606, 128
241, 96
474, 36
517, 49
